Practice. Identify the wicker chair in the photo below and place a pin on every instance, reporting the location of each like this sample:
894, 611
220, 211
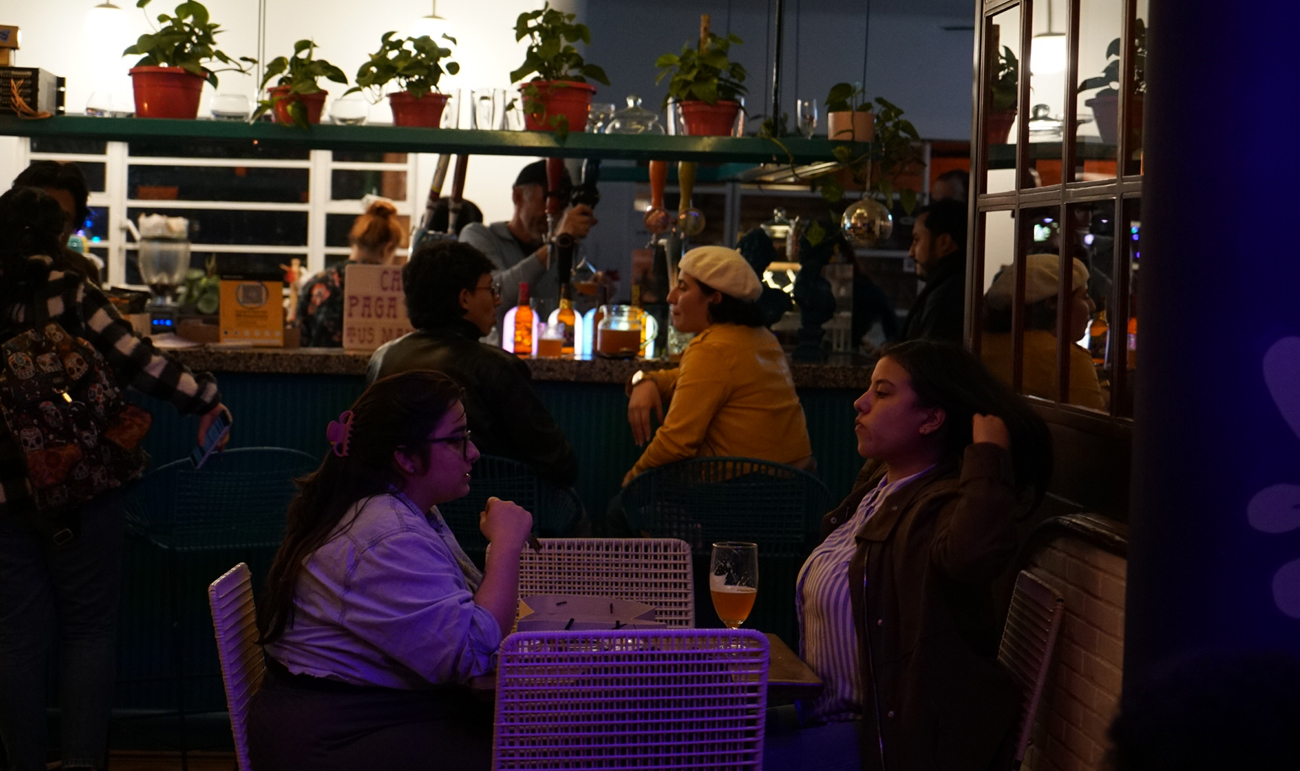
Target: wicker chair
242, 666
557, 511
665, 699
1028, 643
655, 571
706, 500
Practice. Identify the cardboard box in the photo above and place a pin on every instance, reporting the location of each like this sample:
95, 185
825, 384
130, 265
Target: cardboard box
42, 90
252, 312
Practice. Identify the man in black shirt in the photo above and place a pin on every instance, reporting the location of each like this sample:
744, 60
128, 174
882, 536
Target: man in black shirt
452, 299
939, 249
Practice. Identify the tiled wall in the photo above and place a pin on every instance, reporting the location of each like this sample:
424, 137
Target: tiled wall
1084, 688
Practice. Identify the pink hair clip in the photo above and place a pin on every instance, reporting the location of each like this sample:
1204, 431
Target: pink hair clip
339, 432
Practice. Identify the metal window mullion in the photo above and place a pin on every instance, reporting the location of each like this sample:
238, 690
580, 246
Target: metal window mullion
115, 157
1018, 299
1023, 84
224, 163
369, 166
240, 249
1120, 288
1070, 128
146, 203
79, 157
318, 185
1064, 307
1127, 50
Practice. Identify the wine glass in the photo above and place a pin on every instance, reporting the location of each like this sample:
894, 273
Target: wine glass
807, 109
733, 580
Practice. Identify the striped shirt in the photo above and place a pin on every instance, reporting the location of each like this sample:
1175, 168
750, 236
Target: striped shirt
828, 638
85, 311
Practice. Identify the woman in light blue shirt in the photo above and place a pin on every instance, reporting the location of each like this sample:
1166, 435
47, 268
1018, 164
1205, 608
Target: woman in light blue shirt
374, 619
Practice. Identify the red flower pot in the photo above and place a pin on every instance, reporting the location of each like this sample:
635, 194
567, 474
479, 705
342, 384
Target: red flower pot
559, 97
998, 126
702, 119
422, 112
314, 103
166, 92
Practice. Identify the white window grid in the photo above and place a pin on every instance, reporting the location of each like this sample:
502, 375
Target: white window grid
320, 164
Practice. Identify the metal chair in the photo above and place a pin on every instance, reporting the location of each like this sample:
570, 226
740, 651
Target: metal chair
1028, 643
242, 665
655, 571
705, 500
665, 699
556, 510
186, 525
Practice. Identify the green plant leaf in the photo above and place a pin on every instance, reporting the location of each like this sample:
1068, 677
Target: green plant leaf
832, 191
815, 233
907, 197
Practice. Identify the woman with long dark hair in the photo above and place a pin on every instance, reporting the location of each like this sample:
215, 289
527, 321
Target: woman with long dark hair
60, 570
374, 619
899, 607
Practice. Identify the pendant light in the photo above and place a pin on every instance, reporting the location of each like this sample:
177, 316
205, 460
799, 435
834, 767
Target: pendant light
1047, 50
106, 30
432, 25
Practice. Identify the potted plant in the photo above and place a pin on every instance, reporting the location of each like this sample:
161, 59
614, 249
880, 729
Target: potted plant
168, 80
297, 98
1105, 103
848, 114
1004, 93
416, 64
559, 97
705, 84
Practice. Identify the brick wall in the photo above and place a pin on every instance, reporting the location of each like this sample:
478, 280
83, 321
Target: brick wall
1084, 686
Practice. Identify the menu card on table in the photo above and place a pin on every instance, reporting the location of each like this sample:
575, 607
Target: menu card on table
557, 612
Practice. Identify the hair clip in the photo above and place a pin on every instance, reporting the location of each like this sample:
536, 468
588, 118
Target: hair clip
339, 433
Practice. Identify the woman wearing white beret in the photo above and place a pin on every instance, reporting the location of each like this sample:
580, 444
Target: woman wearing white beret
1039, 376
732, 394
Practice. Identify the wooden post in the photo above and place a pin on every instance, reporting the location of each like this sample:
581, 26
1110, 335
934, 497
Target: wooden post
704, 32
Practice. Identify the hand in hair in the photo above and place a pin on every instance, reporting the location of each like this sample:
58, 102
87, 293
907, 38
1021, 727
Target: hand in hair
991, 429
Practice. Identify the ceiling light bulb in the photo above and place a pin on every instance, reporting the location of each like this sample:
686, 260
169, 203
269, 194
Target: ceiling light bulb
106, 28
1047, 53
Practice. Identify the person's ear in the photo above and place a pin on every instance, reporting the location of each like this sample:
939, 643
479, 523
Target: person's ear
943, 244
407, 463
516, 195
464, 299
933, 421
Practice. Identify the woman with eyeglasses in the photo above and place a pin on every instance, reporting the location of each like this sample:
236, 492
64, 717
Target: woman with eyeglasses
373, 619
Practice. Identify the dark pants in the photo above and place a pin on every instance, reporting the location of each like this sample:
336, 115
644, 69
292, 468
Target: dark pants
294, 725
65, 595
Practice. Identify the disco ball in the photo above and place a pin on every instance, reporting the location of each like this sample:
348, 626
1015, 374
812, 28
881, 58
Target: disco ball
866, 223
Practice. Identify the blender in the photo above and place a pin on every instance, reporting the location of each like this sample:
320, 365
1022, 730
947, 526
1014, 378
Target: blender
164, 259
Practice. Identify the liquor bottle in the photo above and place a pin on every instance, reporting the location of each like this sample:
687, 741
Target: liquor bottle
638, 312
568, 319
523, 324
1098, 338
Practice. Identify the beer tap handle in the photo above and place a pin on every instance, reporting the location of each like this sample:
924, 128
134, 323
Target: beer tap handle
457, 192
554, 182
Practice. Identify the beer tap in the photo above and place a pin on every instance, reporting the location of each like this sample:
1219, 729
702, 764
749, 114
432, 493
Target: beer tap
561, 243
457, 194
435, 190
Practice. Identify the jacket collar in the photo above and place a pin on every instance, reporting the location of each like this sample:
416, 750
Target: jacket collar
457, 328
946, 268
881, 525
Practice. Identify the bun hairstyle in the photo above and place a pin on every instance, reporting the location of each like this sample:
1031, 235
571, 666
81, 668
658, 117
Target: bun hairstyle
377, 229
31, 223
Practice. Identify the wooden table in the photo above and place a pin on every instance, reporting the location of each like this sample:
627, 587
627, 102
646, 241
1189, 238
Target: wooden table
788, 678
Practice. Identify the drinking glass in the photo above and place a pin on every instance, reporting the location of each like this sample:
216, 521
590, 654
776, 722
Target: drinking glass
103, 104
674, 119
807, 109
514, 118
739, 129
733, 580
350, 111
485, 107
451, 113
601, 113
230, 107
551, 343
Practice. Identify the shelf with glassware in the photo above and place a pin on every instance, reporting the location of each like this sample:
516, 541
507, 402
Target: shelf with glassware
712, 149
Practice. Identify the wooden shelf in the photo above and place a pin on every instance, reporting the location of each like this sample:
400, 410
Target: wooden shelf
641, 147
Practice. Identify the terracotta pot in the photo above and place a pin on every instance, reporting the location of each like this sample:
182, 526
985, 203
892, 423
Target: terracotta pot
559, 97
1105, 111
166, 92
424, 112
850, 126
314, 103
702, 119
997, 126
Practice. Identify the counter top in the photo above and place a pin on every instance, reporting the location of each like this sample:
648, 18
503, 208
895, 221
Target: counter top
335, 361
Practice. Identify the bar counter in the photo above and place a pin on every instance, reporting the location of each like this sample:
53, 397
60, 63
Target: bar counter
286, 398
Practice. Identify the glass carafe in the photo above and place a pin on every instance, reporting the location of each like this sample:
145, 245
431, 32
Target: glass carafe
619, 334
634, 119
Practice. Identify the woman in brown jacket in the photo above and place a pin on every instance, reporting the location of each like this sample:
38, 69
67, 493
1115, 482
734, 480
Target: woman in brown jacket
898, 607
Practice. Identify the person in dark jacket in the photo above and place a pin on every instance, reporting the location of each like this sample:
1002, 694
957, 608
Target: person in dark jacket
452, 300
939, 249
899, 606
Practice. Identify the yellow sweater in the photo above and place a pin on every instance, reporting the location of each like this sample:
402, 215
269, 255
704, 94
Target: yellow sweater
1039, 374
731, 395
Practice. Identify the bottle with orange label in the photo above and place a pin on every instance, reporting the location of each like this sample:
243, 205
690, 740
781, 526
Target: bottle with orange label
568, 321
523, 331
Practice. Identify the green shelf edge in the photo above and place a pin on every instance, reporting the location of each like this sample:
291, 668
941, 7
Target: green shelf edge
751, 150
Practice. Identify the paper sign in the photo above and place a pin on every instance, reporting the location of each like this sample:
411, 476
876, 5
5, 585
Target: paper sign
252, 312
374, 306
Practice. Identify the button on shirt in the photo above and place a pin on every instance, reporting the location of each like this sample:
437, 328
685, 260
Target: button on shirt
828, 638
388, 600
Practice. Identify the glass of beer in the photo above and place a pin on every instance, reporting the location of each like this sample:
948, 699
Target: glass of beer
733, 580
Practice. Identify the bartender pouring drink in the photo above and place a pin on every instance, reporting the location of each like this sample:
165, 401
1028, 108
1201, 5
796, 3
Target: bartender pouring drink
519, 247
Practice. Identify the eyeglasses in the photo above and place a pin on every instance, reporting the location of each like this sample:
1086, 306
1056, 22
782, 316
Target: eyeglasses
464, 440
494, 288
